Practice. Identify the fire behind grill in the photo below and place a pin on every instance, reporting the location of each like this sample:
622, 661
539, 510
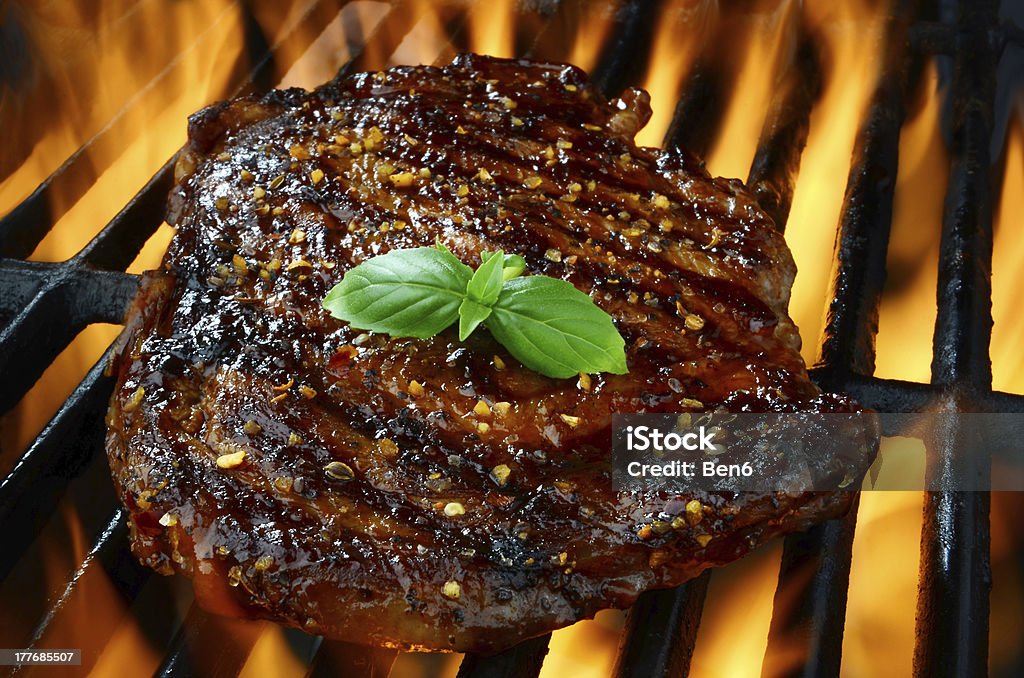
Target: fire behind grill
43, 306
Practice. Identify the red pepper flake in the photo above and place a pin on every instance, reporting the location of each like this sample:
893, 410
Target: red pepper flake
342, 359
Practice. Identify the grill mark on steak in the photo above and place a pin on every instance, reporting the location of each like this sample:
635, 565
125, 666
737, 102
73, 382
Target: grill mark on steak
706, 292
228, 350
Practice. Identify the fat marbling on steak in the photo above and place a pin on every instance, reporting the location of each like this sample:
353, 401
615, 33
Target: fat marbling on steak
434, 494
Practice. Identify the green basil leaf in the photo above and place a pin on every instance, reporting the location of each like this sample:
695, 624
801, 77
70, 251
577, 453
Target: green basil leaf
471, 314
485, 285
404, 293
513, 266
553, 328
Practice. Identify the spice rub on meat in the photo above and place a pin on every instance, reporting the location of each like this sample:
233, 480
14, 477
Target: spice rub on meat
435, 494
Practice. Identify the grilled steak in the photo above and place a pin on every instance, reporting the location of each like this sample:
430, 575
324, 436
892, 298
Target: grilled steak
353, 484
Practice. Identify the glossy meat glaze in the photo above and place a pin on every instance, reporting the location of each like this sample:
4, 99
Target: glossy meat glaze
433, 494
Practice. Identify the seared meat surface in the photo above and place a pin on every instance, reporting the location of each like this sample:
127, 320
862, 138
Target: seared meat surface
434, 494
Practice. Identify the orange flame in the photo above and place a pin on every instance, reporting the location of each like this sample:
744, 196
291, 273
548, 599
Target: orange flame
588, 37
426, 42
818, 198
142, 97
684, 32
764, 34
586, 649
879, 637
907, 314
1007, 264
733, 634
491, 31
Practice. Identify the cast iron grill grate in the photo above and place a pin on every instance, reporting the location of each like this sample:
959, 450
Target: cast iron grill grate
44, 305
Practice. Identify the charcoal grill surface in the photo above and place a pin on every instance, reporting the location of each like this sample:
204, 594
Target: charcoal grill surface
953, 608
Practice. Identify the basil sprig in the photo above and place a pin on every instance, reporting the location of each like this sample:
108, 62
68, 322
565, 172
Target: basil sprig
546, 323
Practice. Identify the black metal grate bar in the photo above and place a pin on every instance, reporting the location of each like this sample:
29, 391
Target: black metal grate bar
525, 659
550, 42
455, 37
1013, 33
335, 658
863, 237
20, 281
531, 24
378, 47
932, 37
808, 614
30, 492
894, 395
95, 296
953, 600
210, 645
661, 631
963, 325
625, 56
71, 298
810, 601
699, 110
776, 163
